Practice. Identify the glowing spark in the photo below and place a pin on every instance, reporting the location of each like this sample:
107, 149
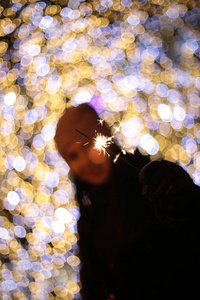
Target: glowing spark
100, 122
116, 158
102, 142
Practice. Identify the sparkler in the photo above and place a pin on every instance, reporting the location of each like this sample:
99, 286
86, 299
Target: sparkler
102, 142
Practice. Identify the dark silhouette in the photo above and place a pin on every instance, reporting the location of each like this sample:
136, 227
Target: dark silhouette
138, 231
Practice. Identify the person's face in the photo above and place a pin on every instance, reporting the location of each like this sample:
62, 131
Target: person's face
87, 163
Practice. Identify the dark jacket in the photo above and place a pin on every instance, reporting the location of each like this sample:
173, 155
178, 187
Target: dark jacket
134, 248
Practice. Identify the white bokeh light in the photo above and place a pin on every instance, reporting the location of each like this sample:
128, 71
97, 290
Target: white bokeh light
63, 215
19, 163
58, 226
10, 98
13, 198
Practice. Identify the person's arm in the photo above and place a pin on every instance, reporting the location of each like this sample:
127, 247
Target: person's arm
175, 197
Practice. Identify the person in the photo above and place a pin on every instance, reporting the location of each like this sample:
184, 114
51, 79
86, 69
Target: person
139, 223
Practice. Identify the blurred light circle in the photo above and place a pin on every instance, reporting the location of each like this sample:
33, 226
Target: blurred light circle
13, 198
162, 90
82, 97
22, 253
104, 86
66, 12
46, 222
176, 124
6, 274
45, 189
34, 50
48, 132
24, 264
133, 19
45, 22
37, 266
6, 128
3, 233
18, 220
58, 259
26, 60
41, 112
63, 215
38, 142
191, 146
61, 196
21, 192
42, 69
53, 84
20, 231
31, 116
19, 163
46, 258
9, 162
149, 144
30, 221
75, 211
70, 45
51, 156
172, 13
179, 113
9, 113
31, 160
44, 237
152, 122
9, 285
165, 112
8, 205
10, 98
131, 127
57, 226
173, 96
188, 122
46, 273
198, 83
9, 28
1, 221
51, 179
39, 246
47, 208
61, 168
47, 286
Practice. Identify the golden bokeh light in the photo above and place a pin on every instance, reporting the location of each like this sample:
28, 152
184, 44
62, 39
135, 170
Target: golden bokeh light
137, 63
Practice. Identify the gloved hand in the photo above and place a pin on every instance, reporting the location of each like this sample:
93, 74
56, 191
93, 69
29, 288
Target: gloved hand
161, 178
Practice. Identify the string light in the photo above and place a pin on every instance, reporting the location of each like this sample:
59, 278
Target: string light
137, 63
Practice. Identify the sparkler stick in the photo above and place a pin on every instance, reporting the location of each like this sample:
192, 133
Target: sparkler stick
105, 148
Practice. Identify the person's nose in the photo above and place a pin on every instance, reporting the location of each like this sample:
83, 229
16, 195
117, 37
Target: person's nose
96, 156
85, 160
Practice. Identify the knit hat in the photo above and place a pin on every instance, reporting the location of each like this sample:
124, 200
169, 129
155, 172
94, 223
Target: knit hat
83, 118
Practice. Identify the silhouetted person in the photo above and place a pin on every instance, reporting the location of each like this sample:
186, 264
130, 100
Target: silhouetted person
138, 231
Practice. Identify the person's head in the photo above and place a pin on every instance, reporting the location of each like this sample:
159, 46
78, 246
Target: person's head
86, 163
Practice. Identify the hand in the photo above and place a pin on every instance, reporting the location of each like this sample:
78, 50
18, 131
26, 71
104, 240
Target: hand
161, 178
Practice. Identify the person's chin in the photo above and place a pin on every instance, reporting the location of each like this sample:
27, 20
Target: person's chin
97, 178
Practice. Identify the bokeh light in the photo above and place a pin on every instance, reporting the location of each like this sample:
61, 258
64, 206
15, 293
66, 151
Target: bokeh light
137, 63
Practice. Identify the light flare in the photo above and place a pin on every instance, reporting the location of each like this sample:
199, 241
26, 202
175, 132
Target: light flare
102, 142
